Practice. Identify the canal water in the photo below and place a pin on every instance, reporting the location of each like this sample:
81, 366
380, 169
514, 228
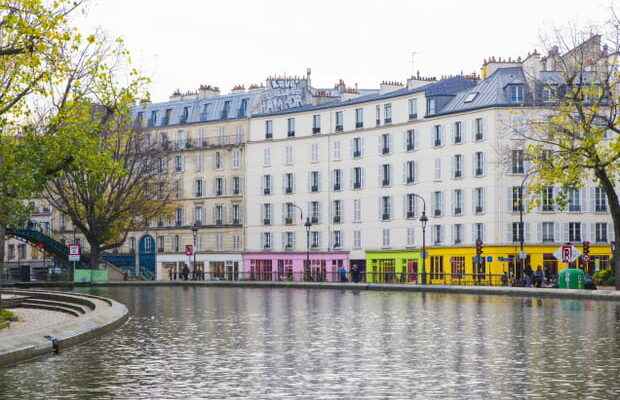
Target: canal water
218, 343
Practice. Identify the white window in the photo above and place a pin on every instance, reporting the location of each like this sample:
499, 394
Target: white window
386, 208
600, 232
600, 200
236, 185
378, 114
574, 200
437, 234
410, 203
199, 161
236, 214
385, 144
478, 232
267, 182
339, 121
356, 145
337, 153
288, 155
357, 239
315, 152
289, 240
574, 231
337, 211
219, 186
386, 175
409, 172
337, 239
437, 169
337, 180
219, 160
387, 111
357, 210
516, 93
268, 129
517, 161
457, 233
359, 117
437, 136
236, 242
358, 178
547, 199
517, 232
315, 239
478, 163
179, 217
315, 212
457, 166
267, 156
458, 202
289, 183
386, 237
437, 205
410, 236
236, 159
479, 200
315, 181
291, 127
198, 186
219, 241
479, 129
267, 240
548, 231
458, 132
267, 214
410, 140
219, 214
198, 215
316, 124
516, 199
179, 163
413, 108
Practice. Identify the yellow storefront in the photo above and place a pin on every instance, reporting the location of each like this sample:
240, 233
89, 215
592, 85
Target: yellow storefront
459, 266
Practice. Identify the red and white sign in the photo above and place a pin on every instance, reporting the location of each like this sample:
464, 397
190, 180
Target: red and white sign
74, 252
189, 249
567, 253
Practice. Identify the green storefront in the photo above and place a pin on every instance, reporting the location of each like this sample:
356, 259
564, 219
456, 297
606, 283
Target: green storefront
393, 266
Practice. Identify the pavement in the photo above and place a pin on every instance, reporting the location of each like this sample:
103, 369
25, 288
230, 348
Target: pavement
43, 332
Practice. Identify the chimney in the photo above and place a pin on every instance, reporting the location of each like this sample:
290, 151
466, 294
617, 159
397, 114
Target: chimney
208, 91
389, 86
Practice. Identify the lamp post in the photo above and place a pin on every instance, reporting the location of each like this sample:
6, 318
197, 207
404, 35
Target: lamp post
423, 221
522, 226
195, 235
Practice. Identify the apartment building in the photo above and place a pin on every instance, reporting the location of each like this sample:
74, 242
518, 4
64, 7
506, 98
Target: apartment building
363, 170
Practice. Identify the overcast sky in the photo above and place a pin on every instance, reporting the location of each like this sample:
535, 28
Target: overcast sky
183, 43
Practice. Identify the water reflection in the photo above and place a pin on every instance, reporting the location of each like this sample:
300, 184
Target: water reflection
217, 343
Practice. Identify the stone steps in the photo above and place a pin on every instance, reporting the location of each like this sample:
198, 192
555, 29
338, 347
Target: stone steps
80, 309
49, 307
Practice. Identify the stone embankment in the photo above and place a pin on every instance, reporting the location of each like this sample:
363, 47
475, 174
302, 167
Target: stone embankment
49, 322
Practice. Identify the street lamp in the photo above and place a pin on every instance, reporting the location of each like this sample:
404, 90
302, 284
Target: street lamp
522, 226
423, 221
195, 235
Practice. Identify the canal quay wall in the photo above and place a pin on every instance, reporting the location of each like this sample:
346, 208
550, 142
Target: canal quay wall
89, 317
575, 294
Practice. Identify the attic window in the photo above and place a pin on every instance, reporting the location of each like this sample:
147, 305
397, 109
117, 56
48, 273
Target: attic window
470, 97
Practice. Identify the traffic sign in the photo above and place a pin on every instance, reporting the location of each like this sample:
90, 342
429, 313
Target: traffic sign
567, 253
489, 258
522, 255
74, 252
504, 259
585, 258
189, 249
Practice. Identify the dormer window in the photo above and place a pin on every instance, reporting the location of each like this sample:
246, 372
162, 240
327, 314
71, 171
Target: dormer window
515, 93
471, 96
430, 106
549, 93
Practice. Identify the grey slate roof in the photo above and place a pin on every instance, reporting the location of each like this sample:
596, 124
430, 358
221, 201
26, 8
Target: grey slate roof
491, 91
444, 87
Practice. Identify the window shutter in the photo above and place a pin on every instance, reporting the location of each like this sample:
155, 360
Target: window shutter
363, 177
473, 233
283, 240
538, 232
592, 203
452, 202
442, 132
405, 172
585, 232
508, 237
484, 199
526, 228
565, 232
380, 144
404, 138
610, 232
352, 145
556, 232
451, 132
452, 167
464, 131
405, 206
484, 128
416, 140
509, 200
484, 164
380, 178
556, 193
380, 209
390, 143
309, 181
441, 203
474, 201
362, 146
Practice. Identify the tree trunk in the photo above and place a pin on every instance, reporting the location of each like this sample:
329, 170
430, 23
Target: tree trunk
614, 209
94, 255
2, 244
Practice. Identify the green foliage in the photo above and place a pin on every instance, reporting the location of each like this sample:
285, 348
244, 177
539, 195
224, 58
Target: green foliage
605, 277
7, 315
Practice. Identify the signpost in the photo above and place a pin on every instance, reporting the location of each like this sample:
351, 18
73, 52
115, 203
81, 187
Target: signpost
74, 252
567, 253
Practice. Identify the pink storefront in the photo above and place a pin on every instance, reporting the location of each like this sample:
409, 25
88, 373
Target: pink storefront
289, 266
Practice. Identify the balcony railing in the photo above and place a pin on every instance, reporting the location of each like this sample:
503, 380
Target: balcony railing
357, 154
339, 128
410, 214
437, 213
288, 220
314, 188
267, 221
413, 116
316, 130
314, 220
359, 125
336, 219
